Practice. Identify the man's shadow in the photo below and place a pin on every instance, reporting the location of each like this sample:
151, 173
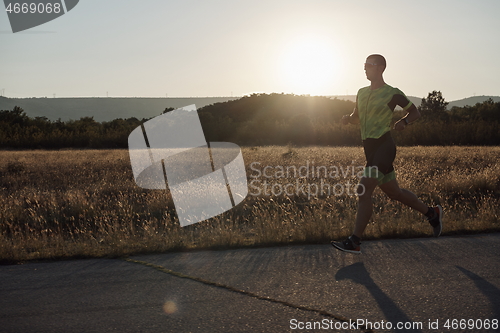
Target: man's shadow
488, 289
358, 274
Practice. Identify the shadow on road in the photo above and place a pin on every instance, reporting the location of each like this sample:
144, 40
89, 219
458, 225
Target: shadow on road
488, 289
358, 274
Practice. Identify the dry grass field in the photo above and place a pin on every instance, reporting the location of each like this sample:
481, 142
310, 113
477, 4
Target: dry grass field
84, 203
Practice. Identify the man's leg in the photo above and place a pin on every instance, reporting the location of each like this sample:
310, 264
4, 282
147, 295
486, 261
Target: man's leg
365, 204
433, 214
406, 197
365, 208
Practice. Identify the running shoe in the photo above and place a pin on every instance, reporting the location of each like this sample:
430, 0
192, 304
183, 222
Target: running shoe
436, 221
347, 246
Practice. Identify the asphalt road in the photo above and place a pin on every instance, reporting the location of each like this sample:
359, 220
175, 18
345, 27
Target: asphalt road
413, 282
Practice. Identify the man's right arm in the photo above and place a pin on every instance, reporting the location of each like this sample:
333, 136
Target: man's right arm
353, 118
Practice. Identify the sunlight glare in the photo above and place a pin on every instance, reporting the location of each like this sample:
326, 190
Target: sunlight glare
311, 66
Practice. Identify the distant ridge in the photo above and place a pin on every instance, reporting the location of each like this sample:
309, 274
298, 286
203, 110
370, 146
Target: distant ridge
109, 108
103, 109
471, 101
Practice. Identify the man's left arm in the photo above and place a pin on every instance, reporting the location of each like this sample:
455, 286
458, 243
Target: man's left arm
411, 115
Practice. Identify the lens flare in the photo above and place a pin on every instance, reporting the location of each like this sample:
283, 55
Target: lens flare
169, 307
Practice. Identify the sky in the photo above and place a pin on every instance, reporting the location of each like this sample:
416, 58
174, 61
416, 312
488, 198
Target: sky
188, 48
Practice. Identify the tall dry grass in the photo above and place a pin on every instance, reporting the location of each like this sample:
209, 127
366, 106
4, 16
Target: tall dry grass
80, 203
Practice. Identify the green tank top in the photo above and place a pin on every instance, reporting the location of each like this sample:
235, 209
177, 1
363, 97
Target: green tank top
375, 109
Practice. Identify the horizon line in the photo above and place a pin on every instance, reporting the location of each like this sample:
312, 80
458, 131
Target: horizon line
230, 97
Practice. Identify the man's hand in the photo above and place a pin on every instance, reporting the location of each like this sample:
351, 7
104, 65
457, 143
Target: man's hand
400, 125
346, 119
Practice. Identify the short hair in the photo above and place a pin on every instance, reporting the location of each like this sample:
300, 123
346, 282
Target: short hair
379, 59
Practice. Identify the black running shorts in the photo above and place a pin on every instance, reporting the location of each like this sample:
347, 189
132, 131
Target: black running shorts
380, 154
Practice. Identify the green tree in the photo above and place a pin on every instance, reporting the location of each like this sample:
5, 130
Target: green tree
434, 106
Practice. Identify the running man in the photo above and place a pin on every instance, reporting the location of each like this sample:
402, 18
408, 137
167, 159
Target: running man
374, 107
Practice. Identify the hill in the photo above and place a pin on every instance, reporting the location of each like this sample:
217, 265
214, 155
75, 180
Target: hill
107, 109
102, 109
471, 101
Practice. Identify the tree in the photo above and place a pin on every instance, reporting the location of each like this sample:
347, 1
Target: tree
16, 116
168, 110
488, 110
434, 106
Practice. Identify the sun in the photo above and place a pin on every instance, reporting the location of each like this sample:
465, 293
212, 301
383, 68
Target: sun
310, 66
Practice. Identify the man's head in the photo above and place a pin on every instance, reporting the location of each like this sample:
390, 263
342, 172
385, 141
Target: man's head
374, 66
